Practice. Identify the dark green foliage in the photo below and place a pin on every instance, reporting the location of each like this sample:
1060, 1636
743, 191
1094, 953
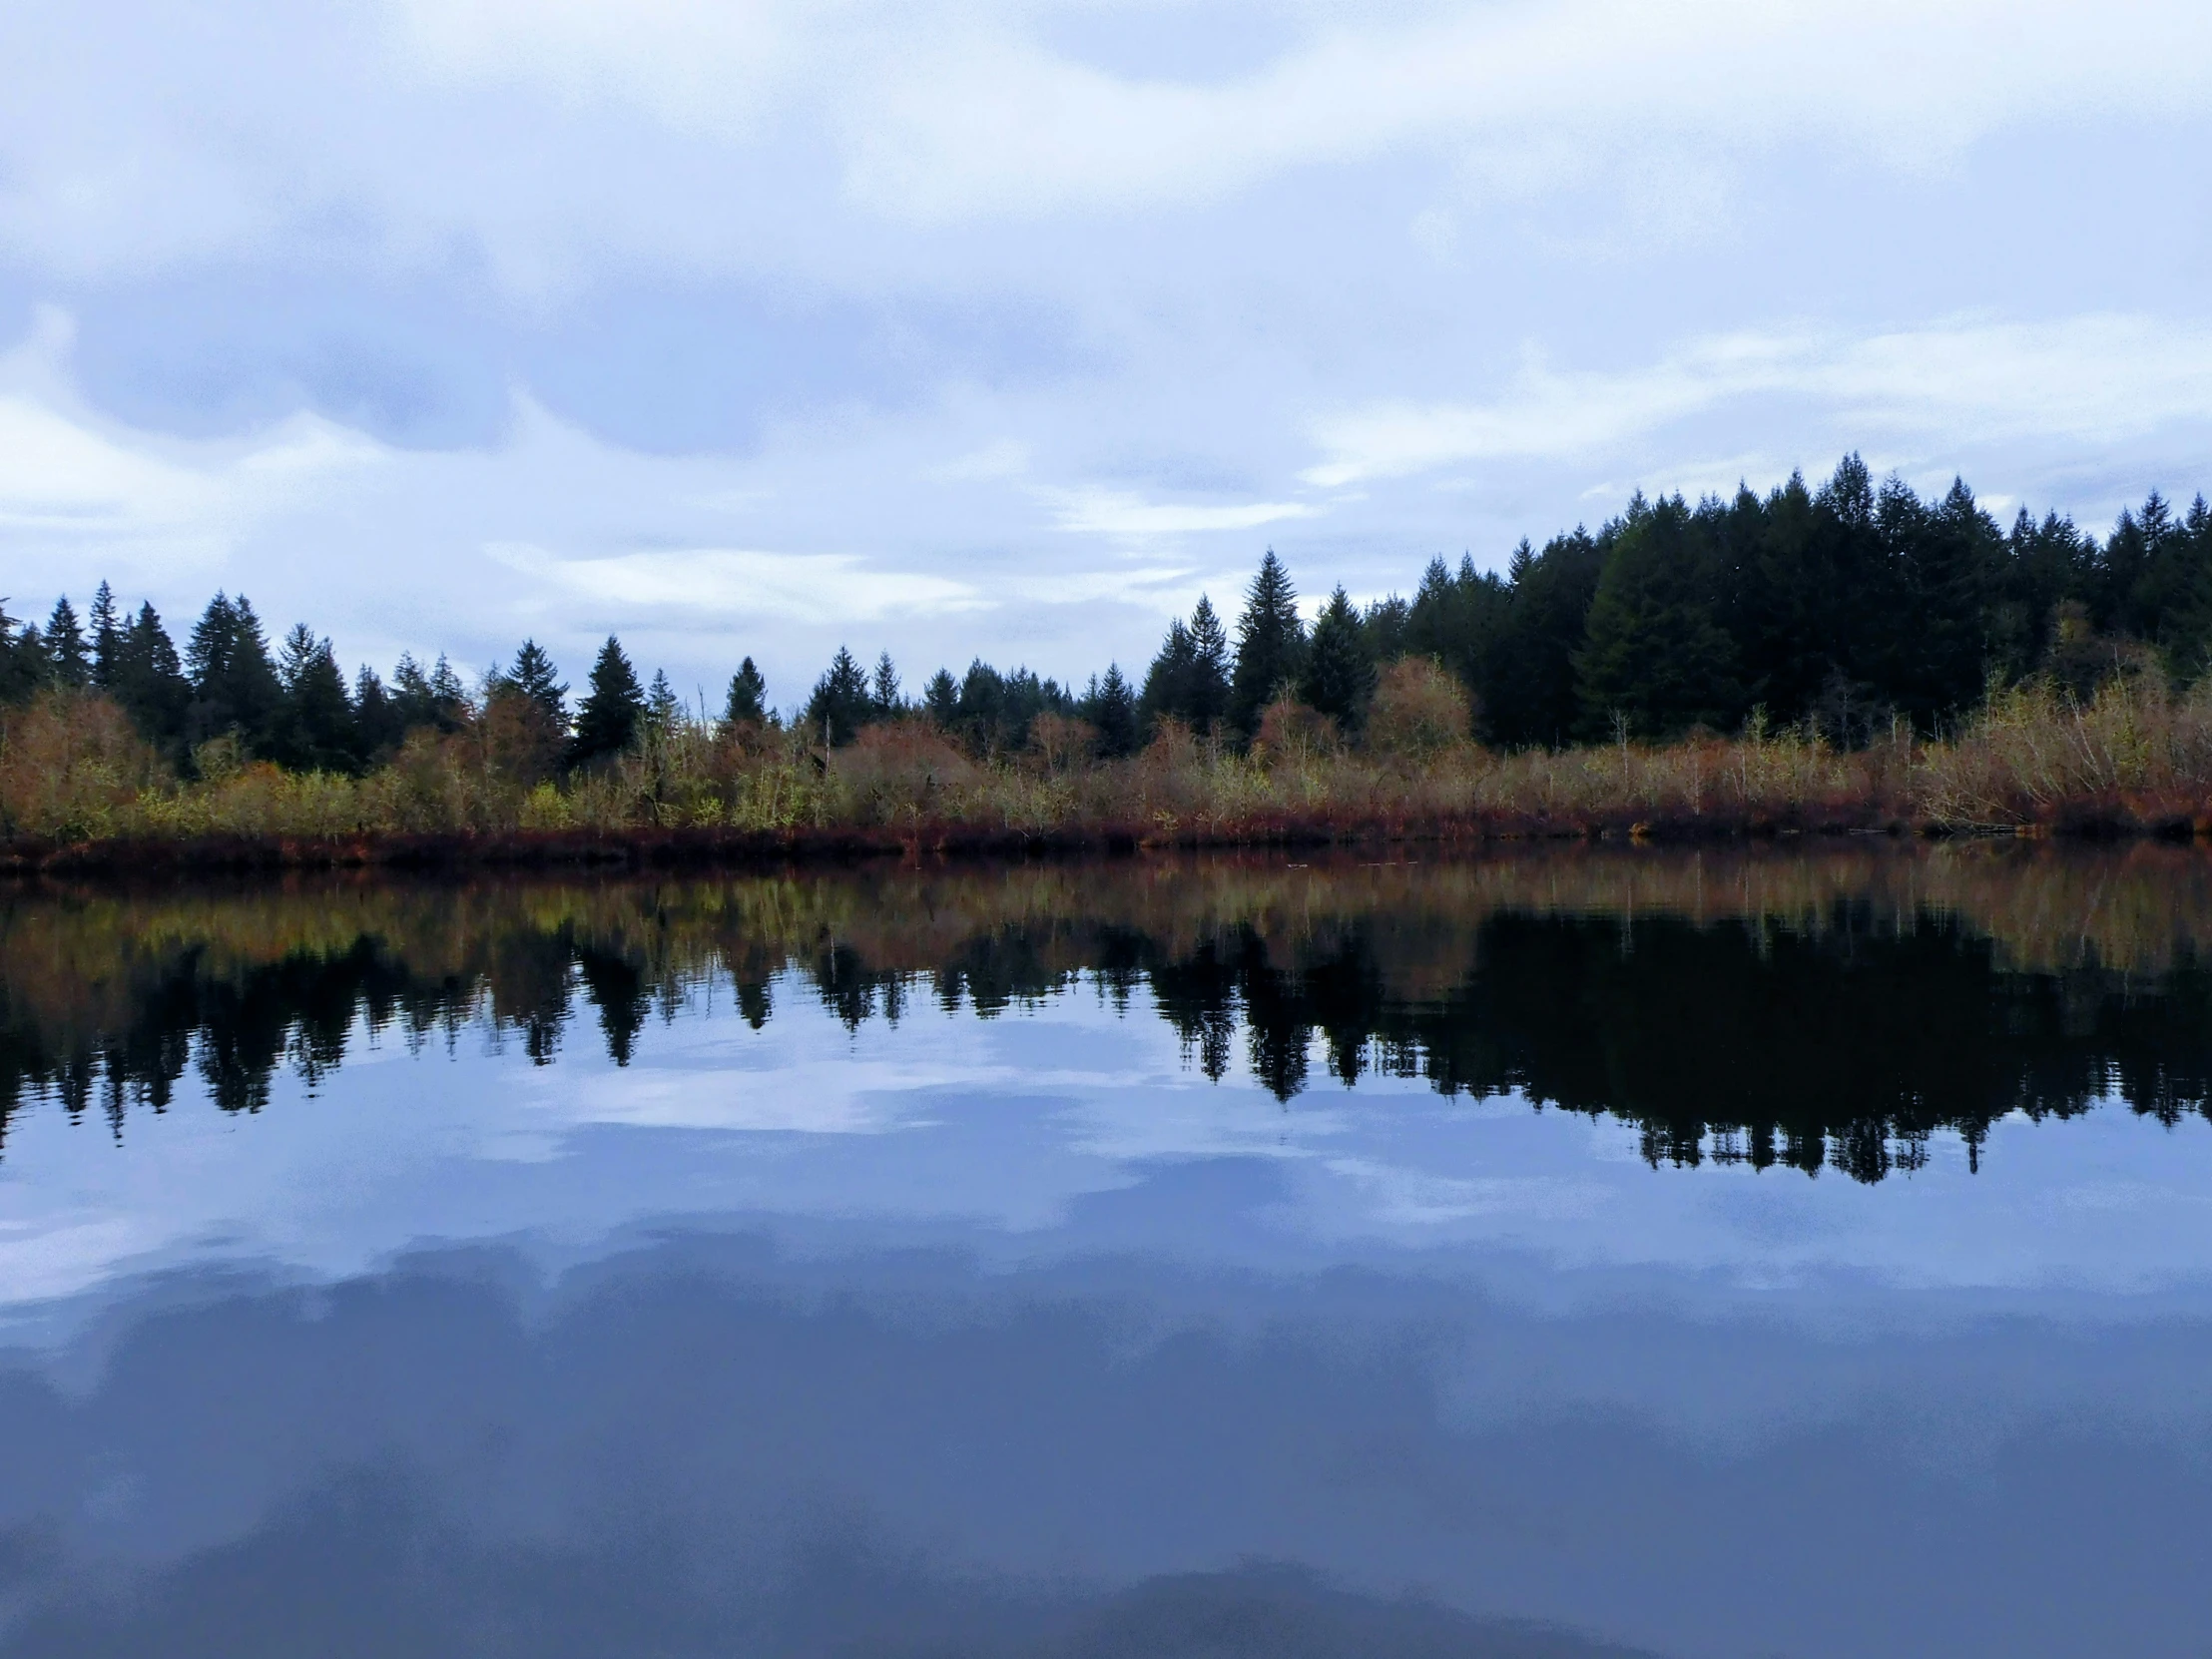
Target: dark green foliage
1655, 653
1189, 679
1530, 678
435, 699
145, 677
993, 711
315, 728
884, 689
534, 677
24, 665
941, 698
662, 709
1110, 704
65, 646
375, 717
1271, 645
1340, 675
608, 720
1383, 627
106, 632
236, 691
840, 703
747, 704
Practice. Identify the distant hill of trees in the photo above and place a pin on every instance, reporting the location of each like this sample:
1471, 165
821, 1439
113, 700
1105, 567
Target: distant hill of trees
1853, 606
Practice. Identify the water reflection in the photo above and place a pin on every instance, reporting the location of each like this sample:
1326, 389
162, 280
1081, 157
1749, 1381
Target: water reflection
1803, 1012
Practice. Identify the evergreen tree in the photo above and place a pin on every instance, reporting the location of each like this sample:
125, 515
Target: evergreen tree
316, 730
1167, 683
662, 709
534, 677
1533, 696
608, 720
747, 704
884, 690
104, 632
941, 698
1271, 645
1111, 708
840, 704
436, 700
24, 665
1340, 676
65, 646
376, 716
145, 677
1655, 653
235, 685
1208, 692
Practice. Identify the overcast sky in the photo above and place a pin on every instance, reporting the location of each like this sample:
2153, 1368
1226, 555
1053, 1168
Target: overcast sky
1005, 328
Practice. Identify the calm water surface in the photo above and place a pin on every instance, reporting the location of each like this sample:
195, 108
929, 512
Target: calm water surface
1560, 1255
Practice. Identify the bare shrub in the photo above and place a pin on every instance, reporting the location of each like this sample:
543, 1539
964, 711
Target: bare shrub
902, 772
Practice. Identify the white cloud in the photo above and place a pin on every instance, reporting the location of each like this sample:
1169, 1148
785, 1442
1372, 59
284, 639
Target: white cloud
2089, 380
72, 481
1115, 513
716, 585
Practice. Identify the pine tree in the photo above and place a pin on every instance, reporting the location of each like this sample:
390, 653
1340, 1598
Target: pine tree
1111, 707
607, 721
941, 698
105, 634
147, 678
535, 677
1167, 683
377, 716
662, 710
314, 731
884, 690
840, 703
1271, 645
235, 685
1655, 654
65, 646
1207, 696
747, 700
1340, 676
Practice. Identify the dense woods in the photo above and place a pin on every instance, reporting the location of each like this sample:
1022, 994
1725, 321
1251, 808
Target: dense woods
1855, 618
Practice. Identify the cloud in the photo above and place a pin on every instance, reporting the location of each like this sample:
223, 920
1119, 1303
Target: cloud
2089, 380
714, 586
1114, 513
71, 482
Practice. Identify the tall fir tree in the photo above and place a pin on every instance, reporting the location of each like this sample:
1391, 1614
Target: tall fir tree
106, 629
608, 719
747, 703
66, 647
316, 730
1271, 645
884, 689
534, 677
1111, 707
840, 703
1339, 676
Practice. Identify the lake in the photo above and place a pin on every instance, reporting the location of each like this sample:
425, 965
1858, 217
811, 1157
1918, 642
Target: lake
1595, 1251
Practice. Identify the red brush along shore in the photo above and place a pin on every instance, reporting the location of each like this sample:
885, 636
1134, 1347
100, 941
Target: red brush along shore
2111, 816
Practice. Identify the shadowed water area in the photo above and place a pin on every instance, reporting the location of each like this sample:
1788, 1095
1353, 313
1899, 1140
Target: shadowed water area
1558, 1254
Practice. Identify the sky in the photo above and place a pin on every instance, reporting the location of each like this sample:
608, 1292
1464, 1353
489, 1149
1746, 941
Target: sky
1006, 327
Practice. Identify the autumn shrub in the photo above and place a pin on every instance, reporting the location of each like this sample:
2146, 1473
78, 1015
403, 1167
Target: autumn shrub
1419, 710
71, 767
904, 772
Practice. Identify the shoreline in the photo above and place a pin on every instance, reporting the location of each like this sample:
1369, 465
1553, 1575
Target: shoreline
721, 847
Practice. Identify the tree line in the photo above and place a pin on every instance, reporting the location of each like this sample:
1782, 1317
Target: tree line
1851, 604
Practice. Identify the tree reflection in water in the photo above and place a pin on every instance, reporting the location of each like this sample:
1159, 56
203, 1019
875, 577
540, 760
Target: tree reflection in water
1807, 1010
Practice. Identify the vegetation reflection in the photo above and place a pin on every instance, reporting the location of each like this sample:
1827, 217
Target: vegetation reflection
1810, 1011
